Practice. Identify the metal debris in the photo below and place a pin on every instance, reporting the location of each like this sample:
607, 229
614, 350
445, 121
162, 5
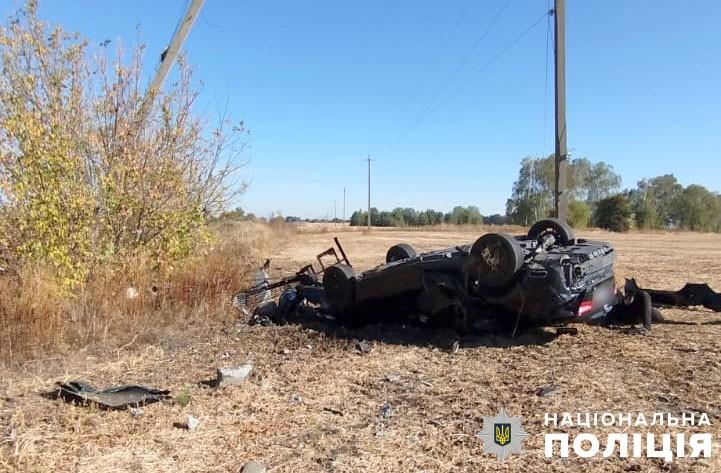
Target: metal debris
116, 397
253, 467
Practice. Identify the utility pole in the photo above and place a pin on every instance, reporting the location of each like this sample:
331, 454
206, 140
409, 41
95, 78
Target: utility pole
344, 205
369, 189
168, 56
560, 196
335, 213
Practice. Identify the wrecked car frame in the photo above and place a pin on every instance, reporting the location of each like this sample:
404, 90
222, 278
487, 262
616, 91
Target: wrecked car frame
546, 277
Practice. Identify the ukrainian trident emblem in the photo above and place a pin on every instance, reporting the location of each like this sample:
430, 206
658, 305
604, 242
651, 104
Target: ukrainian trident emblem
502, 434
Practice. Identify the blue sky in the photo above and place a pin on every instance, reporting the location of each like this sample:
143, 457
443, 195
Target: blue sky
321, 84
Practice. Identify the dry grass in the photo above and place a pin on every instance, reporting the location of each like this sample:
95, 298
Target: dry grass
37, 316
313, 401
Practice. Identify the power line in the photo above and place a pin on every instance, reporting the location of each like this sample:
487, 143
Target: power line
435, 61
545, 86
460, 65
473, 77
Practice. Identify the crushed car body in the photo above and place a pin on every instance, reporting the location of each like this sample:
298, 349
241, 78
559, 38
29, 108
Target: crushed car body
545, 277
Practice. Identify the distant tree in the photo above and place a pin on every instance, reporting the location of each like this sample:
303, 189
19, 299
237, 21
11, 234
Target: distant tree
613, 213
495, 219
532, 195
698, 209
358, 218
654, 202
601, 182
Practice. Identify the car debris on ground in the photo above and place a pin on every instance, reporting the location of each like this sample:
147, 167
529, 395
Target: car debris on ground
116, 397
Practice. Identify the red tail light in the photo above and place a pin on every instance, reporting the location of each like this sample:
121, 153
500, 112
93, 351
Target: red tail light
585, 307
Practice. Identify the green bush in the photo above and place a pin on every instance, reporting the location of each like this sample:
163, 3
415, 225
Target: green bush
613, 213
579, 214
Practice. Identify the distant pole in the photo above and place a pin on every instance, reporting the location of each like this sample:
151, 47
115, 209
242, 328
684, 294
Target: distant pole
344, 205
335, 213
369, 190
560, 196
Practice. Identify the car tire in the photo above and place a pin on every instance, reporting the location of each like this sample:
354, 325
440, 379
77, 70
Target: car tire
339, 286
495, 258
561, 230
399, 252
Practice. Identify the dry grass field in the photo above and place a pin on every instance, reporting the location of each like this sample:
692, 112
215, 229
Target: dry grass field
314, 402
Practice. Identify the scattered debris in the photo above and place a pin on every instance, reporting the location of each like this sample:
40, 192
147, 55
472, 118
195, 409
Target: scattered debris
386, 410
234, 376
364, 346
253, 467
136, 411
333, 411
296, 399
692, 294
191, 423
229, 376
545, 391
131, 293
116, 397
264, 314
393, 378
455, 346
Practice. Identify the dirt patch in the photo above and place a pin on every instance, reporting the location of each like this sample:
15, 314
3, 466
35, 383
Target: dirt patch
406, 402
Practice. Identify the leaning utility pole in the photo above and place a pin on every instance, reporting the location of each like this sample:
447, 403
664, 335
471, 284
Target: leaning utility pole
560, 196
369, 189
168, 56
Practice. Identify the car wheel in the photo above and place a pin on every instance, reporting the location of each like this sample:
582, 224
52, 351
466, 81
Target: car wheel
339, 286
562, 232
399, 252
495, 258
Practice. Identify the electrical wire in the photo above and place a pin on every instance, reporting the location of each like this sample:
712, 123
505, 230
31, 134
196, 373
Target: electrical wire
434, 63
460, 65
545, 86
473, 77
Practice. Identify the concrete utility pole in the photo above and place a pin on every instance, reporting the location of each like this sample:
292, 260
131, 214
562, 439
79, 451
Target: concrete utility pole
369, 190
560, 196
169, 55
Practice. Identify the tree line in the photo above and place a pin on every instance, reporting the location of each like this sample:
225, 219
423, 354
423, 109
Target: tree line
407, 217
596, 198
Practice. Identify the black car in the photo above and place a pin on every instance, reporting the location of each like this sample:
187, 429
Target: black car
544, 277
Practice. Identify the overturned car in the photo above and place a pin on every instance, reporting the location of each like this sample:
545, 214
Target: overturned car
545, 277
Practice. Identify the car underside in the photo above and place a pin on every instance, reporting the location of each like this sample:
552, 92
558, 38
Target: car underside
545, 277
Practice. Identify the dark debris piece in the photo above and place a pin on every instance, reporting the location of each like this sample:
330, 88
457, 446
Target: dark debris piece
116, 397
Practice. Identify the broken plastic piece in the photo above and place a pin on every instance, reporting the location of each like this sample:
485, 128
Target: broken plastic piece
692, 294
116, 397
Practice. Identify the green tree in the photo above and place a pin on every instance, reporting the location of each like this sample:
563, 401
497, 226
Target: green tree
655, 202
698, 209
613, 213
532, 195
82, 178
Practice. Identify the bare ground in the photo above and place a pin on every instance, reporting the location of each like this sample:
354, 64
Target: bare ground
314, 402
